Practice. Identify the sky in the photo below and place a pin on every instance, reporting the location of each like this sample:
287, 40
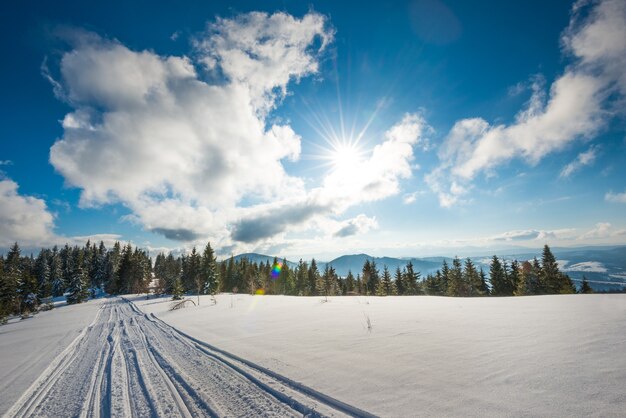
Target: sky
314, 129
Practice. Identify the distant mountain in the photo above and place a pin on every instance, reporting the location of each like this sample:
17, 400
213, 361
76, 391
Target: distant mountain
355, 263
261, 258
604, 267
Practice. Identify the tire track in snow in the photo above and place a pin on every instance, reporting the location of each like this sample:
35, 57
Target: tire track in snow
42, 386
129, 364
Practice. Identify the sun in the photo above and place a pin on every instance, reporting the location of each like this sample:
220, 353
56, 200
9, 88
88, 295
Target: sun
345, 156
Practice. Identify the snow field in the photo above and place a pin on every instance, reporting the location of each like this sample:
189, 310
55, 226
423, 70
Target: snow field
27, 347
126, 363
559, 355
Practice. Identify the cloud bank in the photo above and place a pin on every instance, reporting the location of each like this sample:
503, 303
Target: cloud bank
578, 105
186, 143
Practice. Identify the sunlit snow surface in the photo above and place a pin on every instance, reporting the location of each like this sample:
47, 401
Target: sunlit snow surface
421, 356
425, 356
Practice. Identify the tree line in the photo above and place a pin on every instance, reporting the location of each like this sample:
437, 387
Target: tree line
80, 272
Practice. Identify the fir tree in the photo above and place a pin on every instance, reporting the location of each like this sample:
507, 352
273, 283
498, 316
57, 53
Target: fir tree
56, 274
456, 282
208, 271
312, 278
78, 289
432, 283
411, 280
399, 281
113, 269
444, 278
472, 279
497, 276
351, 284
484, 288
100, 266
550, 272
177, 290
366, 274
584, 287
10, 281
301, 278
514, 276
42, 271
386, 286
4, 305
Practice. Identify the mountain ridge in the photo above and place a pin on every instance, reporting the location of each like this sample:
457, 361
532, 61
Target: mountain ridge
603, 266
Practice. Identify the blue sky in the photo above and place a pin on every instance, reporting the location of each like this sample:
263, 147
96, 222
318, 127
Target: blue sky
483, 126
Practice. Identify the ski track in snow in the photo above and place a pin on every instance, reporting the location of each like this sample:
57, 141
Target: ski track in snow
129, 364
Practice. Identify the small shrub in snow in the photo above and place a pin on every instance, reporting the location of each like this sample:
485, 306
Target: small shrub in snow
368, 323
181, 304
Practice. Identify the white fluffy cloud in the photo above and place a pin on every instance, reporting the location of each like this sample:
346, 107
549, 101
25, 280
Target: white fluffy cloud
578, 105
148, 132
186, 144
24, 219
615, 197
583, 159
28, 221
602, 230
373, 178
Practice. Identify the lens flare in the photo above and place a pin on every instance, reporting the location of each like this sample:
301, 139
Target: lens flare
276, 268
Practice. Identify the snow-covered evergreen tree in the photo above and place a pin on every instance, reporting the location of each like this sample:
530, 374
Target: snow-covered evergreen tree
78, 288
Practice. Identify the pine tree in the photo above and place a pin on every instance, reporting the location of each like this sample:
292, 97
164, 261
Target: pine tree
472, 279
411, 280
456, 283
100, 266
56, 273
312, 278
444, 278
374, 277
78, 289
550, 272
177, 290
321, 285
4, 306
285, 283
42, 271
113, 269
432, 283
514, 276
366, 274
171, 272
386, 287
301, 278
554, 281
584, 287
10, 280
208, 271
484, 288
399, 281
497, 276
351, 284
509, 283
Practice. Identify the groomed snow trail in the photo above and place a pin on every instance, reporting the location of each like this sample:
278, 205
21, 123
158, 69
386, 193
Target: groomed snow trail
128, 364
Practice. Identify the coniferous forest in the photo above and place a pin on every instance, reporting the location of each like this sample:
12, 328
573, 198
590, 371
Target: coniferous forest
28, 283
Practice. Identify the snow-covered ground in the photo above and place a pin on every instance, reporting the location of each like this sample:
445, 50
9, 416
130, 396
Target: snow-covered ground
430, 356
126, 363
28, 346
